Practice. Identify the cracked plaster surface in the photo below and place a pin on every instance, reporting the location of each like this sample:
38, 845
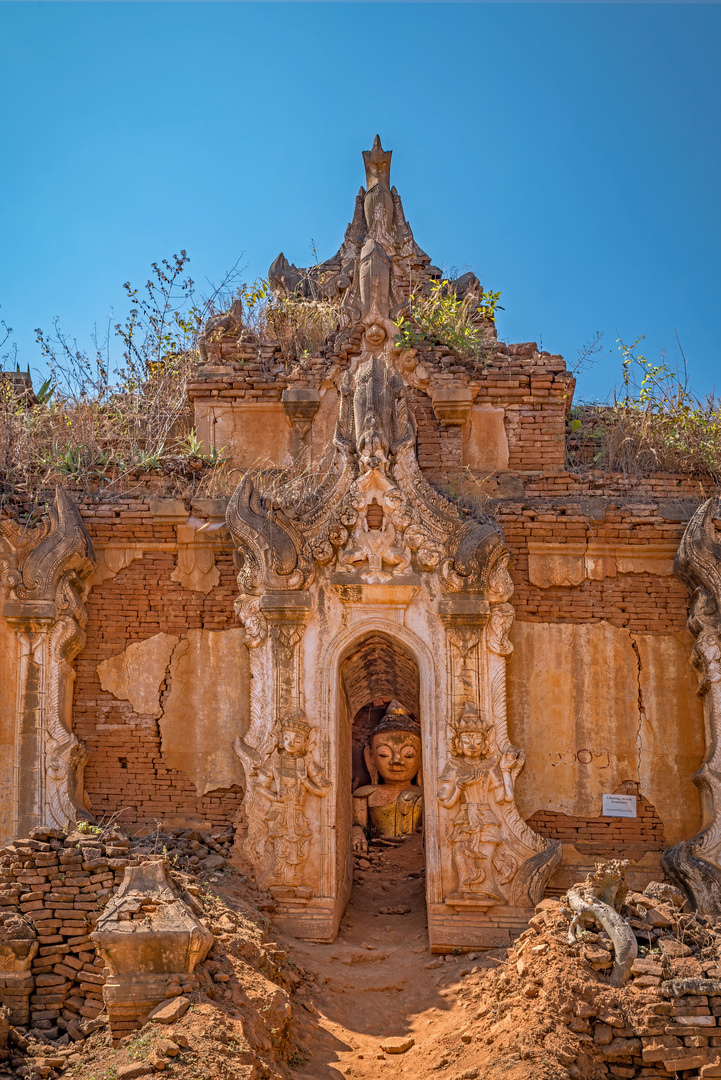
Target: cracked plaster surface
136, 674
206, 706
594, 705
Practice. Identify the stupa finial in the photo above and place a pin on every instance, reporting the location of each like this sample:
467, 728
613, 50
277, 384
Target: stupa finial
377, 163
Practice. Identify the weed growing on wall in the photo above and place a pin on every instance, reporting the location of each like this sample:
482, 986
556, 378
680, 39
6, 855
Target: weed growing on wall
441, 317
298, 325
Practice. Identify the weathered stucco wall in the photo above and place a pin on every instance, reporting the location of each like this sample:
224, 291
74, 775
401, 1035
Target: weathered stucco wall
595, 706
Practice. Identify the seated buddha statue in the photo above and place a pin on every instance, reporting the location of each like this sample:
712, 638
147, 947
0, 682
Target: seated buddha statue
392, 805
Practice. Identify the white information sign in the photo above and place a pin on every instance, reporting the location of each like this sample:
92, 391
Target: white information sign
619, 806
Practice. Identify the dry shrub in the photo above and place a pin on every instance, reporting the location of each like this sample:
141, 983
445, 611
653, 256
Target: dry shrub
100, 431
657, 425
301, 327
106, 446
635, 441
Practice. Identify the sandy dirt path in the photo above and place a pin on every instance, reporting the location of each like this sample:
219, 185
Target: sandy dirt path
379, 980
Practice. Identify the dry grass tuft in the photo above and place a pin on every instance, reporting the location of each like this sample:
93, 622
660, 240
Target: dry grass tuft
656, 425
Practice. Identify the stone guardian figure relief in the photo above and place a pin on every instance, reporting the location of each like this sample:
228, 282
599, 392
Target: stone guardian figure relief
474, 782
392, 805
285, 779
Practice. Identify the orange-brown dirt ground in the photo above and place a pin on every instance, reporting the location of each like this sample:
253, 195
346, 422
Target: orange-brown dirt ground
270, 1007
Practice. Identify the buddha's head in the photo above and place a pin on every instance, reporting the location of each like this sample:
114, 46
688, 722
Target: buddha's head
470, 734
394, 753
294, 734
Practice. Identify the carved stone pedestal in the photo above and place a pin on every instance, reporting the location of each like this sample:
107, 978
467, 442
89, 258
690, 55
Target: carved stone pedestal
131, 998
15, 991
151, 942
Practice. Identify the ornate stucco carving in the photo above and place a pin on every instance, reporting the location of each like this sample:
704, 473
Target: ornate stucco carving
366, 545
374, 513
695, 864
378, 264
45, 571
196, 567
279, 833
496, 857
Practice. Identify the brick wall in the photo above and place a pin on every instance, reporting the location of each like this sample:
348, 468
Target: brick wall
606, 837
535, 502
126, 771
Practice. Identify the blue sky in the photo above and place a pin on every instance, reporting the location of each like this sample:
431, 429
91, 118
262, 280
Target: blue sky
568, 153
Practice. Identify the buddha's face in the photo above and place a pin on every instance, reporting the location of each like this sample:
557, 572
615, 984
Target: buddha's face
471, 744
396, 755
293, 742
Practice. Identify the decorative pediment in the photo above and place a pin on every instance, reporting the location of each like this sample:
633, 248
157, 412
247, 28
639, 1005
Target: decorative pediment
374, 515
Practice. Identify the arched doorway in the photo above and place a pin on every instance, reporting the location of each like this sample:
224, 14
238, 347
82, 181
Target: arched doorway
374, 672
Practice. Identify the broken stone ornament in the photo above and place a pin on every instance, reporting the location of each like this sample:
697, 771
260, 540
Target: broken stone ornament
18, 946
395, 806
148, 937
599, 897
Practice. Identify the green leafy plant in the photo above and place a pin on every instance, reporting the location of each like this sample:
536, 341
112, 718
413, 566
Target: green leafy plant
192, 447
441, 317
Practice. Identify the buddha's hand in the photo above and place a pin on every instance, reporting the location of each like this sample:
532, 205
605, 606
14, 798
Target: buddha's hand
359, 842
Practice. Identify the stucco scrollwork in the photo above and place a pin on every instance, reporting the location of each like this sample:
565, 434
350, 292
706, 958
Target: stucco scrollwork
695, 864
45, 571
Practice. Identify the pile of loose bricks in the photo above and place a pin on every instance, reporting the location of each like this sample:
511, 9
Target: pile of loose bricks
58, 884
665, 1021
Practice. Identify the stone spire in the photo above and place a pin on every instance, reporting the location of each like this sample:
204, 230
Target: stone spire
378, 263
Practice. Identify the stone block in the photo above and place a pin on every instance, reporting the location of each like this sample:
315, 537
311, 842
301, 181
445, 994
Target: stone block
485, 445
170, 1010
452, 405
397, 1046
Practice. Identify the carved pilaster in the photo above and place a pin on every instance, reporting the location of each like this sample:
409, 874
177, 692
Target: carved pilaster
279, 753
695, 865
286, 615
45, 572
